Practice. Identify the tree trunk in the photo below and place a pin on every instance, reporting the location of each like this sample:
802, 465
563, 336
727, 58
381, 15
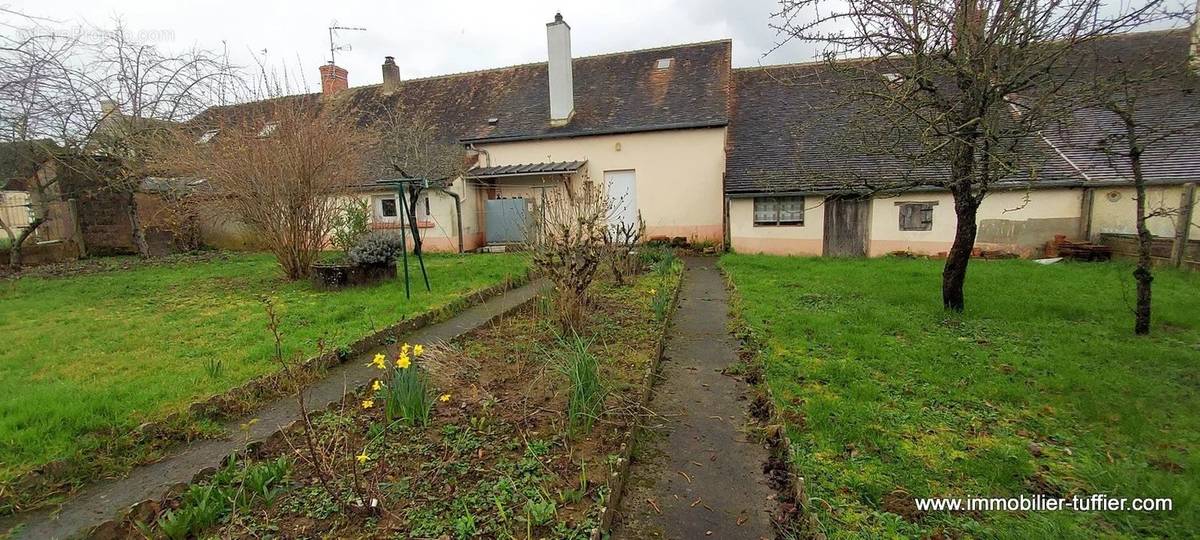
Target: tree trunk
954, 274
14, 252
1142, 274
135, 221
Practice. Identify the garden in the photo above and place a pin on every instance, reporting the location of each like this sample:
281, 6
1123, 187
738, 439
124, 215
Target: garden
1039, 388
516, 430
92, 355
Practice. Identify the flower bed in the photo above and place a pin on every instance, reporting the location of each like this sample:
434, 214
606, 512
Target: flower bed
474, 438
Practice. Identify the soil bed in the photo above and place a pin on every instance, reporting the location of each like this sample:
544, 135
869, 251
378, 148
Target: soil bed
496, 459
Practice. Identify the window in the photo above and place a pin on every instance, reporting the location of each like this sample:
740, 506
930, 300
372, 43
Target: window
663, 63
916, 216
268, 129
387, 208
207, 136
779, 210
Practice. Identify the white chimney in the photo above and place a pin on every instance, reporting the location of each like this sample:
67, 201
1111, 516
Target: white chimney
562, 90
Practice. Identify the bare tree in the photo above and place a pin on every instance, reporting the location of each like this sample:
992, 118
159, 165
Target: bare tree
100, 99
954, 90
144, 92
413, 149
279, 170
1142, 99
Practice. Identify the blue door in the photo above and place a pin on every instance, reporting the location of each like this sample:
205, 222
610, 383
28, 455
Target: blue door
506, 220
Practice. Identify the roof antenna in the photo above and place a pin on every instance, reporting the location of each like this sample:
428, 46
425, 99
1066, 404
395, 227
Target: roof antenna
333, 46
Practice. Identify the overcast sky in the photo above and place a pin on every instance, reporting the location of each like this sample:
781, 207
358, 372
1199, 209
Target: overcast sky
427, 38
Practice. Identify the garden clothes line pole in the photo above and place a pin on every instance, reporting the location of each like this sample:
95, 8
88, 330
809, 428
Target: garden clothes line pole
409, 215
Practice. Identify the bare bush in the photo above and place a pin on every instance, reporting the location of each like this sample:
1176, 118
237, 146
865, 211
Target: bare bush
619, 240
568, 246
279, 172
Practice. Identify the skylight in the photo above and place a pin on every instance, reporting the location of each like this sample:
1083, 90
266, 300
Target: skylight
207, 136
663, 63
268, 129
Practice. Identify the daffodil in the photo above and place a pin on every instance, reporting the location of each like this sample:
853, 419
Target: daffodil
404, 349
445, 398
403, 362
368, 403
380, 361
653, 292
363, 457
375, 386
418, 349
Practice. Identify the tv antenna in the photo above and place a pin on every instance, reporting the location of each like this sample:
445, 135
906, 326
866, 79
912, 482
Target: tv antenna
333, 46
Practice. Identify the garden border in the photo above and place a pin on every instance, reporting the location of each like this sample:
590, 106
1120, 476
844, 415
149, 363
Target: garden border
621, 476
240, 400
790, 485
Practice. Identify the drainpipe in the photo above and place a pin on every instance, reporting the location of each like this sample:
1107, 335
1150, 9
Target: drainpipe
725, 226
457, 214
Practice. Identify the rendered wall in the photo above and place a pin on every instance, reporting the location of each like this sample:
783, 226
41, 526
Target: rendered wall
679, 173
746, 237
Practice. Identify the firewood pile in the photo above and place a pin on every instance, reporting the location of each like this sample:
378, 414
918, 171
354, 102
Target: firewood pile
1078, 251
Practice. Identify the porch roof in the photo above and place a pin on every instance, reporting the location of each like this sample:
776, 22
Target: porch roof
527, 169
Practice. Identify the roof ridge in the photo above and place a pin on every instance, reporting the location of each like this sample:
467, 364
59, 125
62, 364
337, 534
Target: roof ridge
543, 62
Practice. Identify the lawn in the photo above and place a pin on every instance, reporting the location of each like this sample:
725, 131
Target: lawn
104, 352
1040, 387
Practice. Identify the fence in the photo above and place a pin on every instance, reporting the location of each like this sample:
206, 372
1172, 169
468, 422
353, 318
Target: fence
1163, 251
56, 239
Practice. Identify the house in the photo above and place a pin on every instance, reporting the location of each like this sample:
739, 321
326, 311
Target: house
791, 190
741, 157
650, 125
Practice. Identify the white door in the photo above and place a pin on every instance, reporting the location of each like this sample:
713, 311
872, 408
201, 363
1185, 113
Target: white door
622, 193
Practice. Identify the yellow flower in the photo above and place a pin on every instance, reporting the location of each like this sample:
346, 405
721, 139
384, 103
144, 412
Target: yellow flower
403, 362
375, 386
368, 403
363, 457
404, 349
445, 398
653, 292
418, 349
380, 361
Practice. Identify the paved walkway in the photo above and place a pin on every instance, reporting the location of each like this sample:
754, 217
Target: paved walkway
100, 502
697, 475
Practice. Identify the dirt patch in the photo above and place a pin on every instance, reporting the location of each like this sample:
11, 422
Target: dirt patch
902, 504
98, 265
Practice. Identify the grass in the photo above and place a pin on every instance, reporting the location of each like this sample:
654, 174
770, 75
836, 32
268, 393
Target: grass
101, 353
1039, 387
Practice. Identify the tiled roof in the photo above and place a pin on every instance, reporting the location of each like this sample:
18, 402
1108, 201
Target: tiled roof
525, 169
1171, 107
613, 93
788, 132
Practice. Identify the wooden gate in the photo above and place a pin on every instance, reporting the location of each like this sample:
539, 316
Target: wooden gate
847, 222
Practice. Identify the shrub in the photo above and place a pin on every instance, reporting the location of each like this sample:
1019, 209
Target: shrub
351, 223
582, 369
567, 244
377, 248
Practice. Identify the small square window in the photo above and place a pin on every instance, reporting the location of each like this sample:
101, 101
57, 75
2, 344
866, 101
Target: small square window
663, 63
779, 211
916, 216
387, 208
268, 129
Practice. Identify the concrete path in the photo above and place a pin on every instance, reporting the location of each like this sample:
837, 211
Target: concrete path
100, 502
697, 475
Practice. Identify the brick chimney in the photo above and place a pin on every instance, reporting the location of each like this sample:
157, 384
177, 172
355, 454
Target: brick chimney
562, 84
391, 75
334, 79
